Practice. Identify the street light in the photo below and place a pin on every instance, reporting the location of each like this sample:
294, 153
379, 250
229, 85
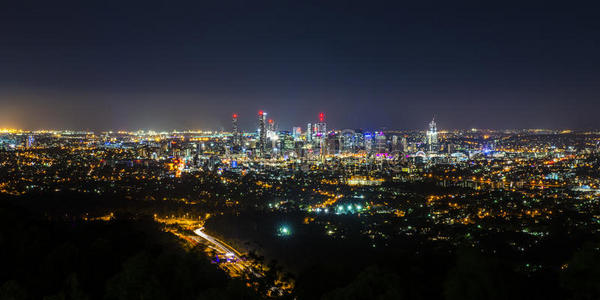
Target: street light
284, 231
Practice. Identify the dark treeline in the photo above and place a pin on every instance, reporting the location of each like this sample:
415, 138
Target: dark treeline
64, 258
47, 253
564, 266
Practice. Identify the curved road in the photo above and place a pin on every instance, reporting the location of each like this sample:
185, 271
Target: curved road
239, 265
228, 250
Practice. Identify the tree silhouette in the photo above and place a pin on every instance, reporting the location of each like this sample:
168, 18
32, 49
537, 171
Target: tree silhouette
477, 276
582, 274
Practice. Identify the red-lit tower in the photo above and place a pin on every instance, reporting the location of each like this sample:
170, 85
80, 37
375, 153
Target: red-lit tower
321, 133
235, 132
321, 127
271, 126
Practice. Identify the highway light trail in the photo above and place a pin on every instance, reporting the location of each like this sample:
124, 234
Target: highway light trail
227, 250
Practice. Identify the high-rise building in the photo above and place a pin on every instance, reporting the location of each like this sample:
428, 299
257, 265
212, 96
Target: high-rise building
368, 141
309, 132
272, 137
271, 125
431, 137
349, 141
321, 127
296, 132
332, 145
235, 132
404, 144
380, 142
262, 131
286, 141
321, 133
395, 144
29, 142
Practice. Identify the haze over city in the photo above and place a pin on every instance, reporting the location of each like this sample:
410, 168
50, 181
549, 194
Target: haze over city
157, 65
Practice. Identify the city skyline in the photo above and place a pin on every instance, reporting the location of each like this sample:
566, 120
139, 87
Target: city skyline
250, 126
299, 150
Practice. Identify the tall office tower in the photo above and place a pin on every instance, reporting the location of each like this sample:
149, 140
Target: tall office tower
286, 141
262, 131
321, 127
235, 132
395, 144
349, 141
309, 132
271, 125
296, 132
368, 140
272, 137
380, 142
332, 145
29, 142
404, 144
431, 137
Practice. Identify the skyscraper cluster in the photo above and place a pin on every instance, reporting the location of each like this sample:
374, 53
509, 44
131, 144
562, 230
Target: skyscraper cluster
319, 141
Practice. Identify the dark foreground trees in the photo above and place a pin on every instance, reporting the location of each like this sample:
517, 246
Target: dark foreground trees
121, 259
45, 256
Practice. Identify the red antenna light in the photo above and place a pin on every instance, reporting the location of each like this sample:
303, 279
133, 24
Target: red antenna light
260, 112
271, 121
321, 117
235, 116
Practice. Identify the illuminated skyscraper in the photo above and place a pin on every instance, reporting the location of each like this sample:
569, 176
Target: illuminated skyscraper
271, 125
431, 137
348, 141
321, 127
395, 145
235, 132
380, 142
29, 142
368, 141
296, 132
309, 132
272, 137
321, 133
262, 131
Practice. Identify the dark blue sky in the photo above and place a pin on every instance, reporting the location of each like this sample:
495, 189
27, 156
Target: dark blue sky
367, 64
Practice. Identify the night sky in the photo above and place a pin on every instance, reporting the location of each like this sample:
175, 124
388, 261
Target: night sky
167, 65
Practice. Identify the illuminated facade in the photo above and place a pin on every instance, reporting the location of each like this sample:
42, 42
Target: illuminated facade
235, 130
272, 136
296, 132
321, 127
349, 141
262, 131
368, 142
431, 138
380, 142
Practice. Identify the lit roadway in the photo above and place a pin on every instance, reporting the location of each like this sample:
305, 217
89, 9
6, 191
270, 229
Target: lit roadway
237, 266
228, 250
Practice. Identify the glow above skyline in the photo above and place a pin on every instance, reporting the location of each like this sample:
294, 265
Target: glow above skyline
104, 66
